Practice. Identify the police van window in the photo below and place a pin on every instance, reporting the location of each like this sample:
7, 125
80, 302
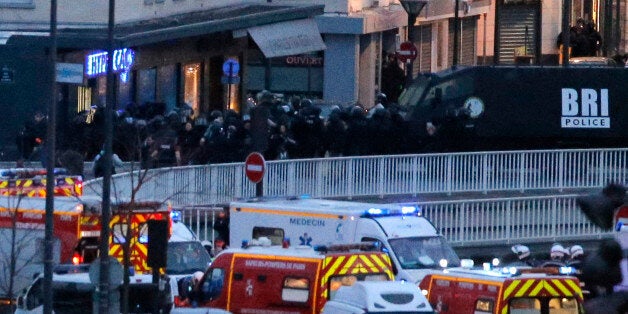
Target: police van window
484, 306
456, 88
295, 289
412, 95
212, 286
276, 235
525, 306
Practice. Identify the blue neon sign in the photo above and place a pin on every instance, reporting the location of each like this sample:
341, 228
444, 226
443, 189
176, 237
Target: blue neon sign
96, 63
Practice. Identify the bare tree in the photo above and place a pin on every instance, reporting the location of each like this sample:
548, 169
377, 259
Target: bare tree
21, 244
131, 204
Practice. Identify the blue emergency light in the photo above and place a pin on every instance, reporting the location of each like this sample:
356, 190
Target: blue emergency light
376, 212
175, 215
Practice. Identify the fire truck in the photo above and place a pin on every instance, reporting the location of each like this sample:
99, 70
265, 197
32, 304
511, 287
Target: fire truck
76, 232
502, 291
260, 277
31, 182
22, 226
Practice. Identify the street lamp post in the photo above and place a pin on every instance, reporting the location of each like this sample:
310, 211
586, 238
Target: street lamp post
413, 8
454, 63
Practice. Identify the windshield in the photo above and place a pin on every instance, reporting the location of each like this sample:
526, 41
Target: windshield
186, 257
410, 96
423, 252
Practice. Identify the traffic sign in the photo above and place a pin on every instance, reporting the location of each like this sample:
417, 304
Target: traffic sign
230, 79
407, 52
255, 167
231, 67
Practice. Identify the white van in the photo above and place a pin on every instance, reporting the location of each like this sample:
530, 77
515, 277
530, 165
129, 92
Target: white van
414, 245
378, 297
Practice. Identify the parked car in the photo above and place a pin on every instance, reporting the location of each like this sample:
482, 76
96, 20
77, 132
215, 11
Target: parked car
378, 297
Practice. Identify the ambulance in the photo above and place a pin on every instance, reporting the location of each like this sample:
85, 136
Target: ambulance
412, 242
262, 278
506, 290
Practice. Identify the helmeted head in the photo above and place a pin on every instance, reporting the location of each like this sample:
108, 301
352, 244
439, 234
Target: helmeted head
198, 275
521, 251
576, 251
558, 252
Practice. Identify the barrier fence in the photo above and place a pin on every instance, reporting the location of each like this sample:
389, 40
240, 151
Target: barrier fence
350, 177
199, 190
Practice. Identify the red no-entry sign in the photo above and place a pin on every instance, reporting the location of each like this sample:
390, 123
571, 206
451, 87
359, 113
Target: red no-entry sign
254, 167
407, 52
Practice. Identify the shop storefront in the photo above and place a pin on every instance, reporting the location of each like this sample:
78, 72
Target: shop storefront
164, 63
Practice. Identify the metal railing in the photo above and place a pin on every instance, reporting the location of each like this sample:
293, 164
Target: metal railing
349, 177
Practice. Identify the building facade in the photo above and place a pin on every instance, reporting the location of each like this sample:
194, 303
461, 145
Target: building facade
214, 54
167, 53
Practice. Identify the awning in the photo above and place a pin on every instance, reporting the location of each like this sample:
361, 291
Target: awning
287, 38
6, 35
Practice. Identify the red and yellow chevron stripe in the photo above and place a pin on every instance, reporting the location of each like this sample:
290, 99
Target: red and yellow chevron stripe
66, 186
534, 287
355, 263
138, 251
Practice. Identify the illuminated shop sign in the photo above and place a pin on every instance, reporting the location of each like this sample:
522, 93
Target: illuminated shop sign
96, 63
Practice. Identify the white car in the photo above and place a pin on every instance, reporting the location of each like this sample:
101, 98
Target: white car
378, 297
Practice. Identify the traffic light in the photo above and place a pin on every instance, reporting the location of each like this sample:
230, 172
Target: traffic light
157, 243
600, 208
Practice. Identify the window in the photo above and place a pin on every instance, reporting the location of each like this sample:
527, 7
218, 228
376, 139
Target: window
119, 233
562, 305
335, 282
525, 306
295, 289
192, 86
212, 286
35, 296
143, 234
484, 306
275, 235
146, 85
167, 86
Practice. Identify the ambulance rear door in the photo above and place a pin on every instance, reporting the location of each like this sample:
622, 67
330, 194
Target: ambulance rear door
272, 283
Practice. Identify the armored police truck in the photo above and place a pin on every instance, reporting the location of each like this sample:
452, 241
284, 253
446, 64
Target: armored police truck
528, 107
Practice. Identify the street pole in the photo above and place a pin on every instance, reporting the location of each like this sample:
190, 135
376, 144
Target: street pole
565, 31
454, 63
50, 161
103, 286
410, 63
617, 27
